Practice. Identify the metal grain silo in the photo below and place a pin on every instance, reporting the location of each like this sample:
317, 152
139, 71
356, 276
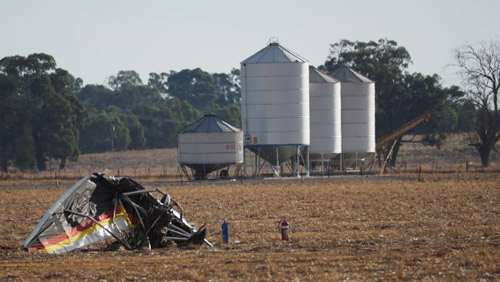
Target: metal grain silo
209, 144
275, 104
325, 111
358, 112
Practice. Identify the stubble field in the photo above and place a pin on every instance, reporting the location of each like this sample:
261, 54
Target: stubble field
447, 230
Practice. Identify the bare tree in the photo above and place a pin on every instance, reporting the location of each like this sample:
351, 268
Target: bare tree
480, 70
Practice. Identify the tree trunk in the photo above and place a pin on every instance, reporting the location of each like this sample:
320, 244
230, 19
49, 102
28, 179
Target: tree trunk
488, 127
484, 152
62, 164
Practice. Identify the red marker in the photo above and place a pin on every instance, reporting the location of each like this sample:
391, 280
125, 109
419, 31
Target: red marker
284, 228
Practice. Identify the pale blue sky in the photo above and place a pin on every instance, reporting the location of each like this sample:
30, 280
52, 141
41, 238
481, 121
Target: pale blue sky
95, 39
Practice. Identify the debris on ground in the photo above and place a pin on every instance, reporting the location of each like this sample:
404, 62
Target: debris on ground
101, 208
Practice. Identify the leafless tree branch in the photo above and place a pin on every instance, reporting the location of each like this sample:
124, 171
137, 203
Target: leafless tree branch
480, 71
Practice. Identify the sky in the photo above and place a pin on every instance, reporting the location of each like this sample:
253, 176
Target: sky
95, 39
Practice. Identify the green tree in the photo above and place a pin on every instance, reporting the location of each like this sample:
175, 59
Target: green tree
230, 113
136, 132
97, 96
52, 112
160, 123
103, 132
16, 143
129, 97
125, 78
154, 113
227, 87
195, 86
133, 102
189, 113
466, 116
135, 128
158, 81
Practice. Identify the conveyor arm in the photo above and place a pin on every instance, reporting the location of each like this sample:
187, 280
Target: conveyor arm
402, 130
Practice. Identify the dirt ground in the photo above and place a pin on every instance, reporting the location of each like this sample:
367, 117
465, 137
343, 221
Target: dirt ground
448, 230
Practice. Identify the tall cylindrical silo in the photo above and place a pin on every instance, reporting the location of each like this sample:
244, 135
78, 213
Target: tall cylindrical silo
325, 112
275, 103
210, 144
358, 112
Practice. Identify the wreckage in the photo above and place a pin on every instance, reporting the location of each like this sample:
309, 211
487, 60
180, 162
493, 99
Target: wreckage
104, 209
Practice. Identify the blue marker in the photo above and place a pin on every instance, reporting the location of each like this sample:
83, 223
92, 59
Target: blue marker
225, 232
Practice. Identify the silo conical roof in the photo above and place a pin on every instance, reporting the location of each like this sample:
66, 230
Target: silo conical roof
209, 123
274, 53
317, 76
348, 75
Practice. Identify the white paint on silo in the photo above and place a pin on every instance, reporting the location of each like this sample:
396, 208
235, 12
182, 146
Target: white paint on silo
325, 109
275, 98
210, 143
358, 111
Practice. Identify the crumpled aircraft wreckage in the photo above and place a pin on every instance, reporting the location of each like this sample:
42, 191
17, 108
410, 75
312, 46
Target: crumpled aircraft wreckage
104, 209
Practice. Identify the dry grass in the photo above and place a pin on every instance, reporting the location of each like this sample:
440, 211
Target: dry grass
144, 163
363, 231
454, 150
161, 164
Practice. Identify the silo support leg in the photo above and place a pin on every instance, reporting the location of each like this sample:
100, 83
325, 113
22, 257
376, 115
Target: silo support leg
322, 164
244, 162
256, 164
237, 171
297, 162
356, 161
308, 172
259, 165
277, 169
342, 162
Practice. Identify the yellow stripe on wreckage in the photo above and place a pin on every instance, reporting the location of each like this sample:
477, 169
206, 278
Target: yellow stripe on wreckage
92, 235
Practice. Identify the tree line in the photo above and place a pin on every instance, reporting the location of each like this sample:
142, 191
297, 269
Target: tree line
48, 114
